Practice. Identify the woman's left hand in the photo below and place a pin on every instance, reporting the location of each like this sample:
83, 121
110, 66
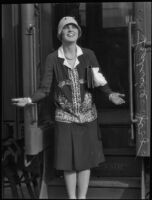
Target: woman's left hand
116, 98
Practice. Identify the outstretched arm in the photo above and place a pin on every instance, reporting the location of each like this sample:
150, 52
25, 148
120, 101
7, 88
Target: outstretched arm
42, 91
100, 81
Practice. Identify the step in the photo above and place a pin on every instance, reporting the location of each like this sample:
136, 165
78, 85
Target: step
119, 182
115, 182
101, 188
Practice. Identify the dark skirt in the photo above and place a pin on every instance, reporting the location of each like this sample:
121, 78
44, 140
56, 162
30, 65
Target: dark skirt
77, 146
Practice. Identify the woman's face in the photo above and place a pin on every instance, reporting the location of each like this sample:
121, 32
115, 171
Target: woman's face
70, 33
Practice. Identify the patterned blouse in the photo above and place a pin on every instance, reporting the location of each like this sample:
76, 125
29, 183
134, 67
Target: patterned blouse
73, 100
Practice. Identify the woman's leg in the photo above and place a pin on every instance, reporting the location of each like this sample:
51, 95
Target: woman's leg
70, 181
83, 182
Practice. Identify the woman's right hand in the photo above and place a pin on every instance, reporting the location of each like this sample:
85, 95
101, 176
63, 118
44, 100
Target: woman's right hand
21, 102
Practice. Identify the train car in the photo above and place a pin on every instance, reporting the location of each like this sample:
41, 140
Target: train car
120, 35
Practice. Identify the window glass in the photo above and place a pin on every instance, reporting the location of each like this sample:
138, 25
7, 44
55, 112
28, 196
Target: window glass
114, 14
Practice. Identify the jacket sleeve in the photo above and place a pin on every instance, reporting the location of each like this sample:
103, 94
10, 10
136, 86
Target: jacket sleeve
46, 82
99, 79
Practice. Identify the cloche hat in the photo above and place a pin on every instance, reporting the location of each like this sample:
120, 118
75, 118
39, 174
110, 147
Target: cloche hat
64, 21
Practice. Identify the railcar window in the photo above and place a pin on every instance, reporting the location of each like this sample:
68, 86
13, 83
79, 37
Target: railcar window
114, 14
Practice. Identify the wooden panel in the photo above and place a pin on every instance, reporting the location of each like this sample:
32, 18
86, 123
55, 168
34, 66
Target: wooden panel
114, 117
116, 136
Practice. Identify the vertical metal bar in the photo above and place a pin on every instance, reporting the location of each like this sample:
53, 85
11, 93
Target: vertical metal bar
27, 11
29, 59
34, 72
32, 35
131, 78
31, 69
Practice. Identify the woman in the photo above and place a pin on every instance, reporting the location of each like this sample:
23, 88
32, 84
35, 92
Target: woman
77, 146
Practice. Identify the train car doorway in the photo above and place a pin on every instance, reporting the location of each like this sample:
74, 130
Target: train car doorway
106, 30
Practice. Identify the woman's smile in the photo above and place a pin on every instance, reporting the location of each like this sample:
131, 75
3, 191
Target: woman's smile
70, 34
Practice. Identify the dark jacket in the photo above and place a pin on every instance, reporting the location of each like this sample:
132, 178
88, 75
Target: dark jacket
72, 98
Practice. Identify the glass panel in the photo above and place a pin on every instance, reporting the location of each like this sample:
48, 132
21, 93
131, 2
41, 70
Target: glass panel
114, 14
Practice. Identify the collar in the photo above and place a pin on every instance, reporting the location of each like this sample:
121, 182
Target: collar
79, 52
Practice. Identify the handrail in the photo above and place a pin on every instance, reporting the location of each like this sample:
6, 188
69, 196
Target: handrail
35, 114
133, 120
31, 30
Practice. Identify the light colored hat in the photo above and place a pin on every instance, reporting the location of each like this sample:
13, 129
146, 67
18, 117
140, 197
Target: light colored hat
64, 21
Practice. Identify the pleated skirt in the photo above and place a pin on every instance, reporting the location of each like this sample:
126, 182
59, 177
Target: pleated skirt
77, 146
